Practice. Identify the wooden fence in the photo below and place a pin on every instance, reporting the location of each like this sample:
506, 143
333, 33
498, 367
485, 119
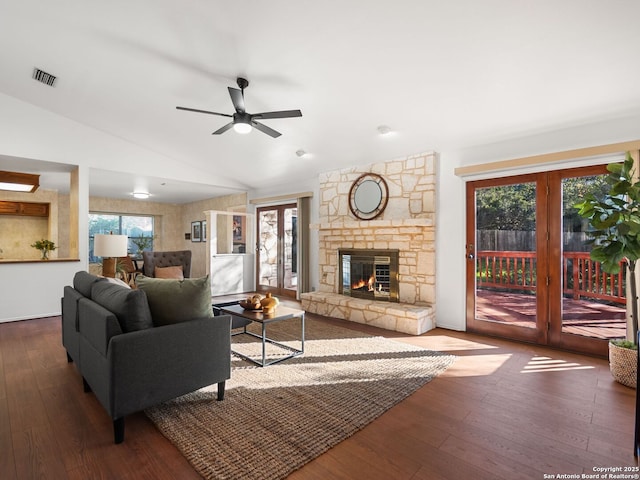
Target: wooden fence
581, 276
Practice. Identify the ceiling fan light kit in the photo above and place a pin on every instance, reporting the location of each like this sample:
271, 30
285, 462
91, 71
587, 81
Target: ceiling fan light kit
241, 127
241, 121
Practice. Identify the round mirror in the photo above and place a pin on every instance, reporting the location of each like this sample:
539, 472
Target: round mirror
368, 196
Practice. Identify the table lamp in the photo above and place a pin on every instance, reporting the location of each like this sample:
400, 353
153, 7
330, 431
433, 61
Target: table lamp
110, 247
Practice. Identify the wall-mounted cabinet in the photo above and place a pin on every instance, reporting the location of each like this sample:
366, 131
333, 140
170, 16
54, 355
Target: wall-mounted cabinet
30, 209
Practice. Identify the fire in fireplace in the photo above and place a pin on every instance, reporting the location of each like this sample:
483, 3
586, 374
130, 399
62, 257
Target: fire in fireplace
369, 274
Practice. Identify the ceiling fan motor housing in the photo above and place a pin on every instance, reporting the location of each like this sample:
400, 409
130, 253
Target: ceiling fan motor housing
242, 117
242, 83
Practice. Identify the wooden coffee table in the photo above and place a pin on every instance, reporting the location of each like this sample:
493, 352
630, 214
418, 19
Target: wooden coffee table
281, 314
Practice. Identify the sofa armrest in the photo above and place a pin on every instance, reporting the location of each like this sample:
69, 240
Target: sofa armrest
70, 326
97, 325
154, 365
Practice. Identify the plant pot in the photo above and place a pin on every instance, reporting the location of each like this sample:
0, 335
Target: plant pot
623, 363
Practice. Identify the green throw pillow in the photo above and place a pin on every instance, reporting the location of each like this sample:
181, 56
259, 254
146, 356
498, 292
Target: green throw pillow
174, 301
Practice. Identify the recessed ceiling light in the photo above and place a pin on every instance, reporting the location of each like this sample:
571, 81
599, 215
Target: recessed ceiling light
384, 130
300, 153
141, 195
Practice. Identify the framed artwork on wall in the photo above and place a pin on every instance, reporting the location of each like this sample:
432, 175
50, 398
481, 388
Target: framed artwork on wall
238, 228
196, 231
204, 230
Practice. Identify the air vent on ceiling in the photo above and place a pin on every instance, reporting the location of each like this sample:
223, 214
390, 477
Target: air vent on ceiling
43, 77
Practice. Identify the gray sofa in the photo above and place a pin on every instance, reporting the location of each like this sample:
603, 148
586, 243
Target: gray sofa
130, 364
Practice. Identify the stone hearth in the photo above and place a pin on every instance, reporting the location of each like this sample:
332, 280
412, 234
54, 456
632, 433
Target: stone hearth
400, 317
407, 224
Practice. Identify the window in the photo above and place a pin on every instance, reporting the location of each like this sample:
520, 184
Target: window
139, 229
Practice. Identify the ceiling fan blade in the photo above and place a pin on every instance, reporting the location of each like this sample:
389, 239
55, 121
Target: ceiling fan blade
265, 129
223, 129
237, 97
204, 111
282, 114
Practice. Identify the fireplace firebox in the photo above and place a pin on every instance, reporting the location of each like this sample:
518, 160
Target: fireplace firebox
369, 274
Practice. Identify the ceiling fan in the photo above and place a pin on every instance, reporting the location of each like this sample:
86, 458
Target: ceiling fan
243, 121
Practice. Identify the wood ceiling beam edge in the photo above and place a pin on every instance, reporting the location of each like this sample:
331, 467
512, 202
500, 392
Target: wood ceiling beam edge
546, 158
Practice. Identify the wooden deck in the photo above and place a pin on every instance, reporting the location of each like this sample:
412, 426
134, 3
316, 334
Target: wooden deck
581, 317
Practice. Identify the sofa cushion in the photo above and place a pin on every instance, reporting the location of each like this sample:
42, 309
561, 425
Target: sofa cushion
83, 281
174, 301
117, 281
174, 272
129, 306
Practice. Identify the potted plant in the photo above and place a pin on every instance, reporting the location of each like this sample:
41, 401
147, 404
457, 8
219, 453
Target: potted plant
615, 235
45, 246
142, 243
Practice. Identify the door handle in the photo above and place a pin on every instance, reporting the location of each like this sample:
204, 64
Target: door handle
470, 251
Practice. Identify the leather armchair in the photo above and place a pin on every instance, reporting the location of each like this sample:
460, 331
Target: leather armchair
151, 260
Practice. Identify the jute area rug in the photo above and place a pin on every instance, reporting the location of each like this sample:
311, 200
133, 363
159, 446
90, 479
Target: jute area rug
275, 419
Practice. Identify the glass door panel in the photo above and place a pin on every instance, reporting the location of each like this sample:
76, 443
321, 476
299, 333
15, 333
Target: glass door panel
268, 248
277, 265
506, 259
588, 308
290, 280
505, 293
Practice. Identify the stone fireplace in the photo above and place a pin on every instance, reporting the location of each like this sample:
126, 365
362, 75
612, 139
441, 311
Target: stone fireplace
407, 226
369, 274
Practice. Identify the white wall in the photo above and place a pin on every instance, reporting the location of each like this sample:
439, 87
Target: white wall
31, 132
450, 217
33, 290
30, 290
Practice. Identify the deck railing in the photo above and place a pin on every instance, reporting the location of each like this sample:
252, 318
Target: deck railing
581, 276
511, 270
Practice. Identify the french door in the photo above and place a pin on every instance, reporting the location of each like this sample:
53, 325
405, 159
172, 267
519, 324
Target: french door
529, 275
277, 256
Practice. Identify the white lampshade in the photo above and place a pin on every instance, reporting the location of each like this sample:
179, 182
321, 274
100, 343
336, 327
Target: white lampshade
106, 246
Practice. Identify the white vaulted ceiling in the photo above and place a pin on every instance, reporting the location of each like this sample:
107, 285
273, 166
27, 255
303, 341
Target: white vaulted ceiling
442, 74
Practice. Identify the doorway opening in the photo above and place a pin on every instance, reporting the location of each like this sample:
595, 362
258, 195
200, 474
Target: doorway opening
277, 259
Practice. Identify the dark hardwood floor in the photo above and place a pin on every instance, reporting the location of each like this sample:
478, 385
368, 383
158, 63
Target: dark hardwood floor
503, 411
